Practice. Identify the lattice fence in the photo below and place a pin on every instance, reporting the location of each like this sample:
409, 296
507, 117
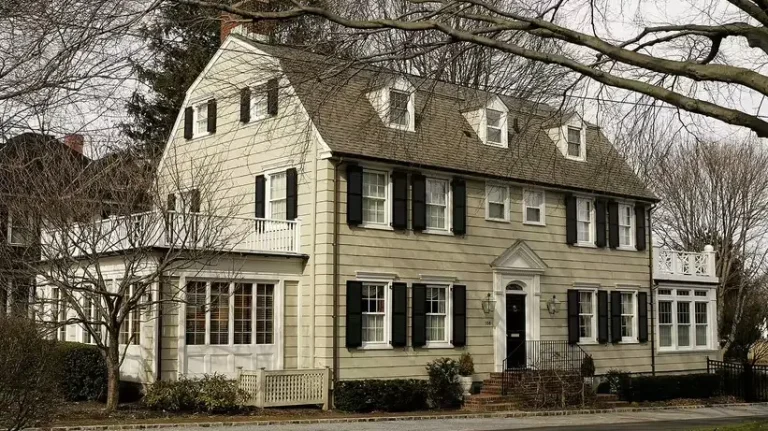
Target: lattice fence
286, 387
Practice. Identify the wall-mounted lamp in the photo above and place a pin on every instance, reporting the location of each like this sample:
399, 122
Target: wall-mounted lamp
489, 304
553, 305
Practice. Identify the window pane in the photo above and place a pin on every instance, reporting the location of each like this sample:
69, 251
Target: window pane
497, 194
533, 215
574, 150
627, 314
585, 314
265, 304
243, 313
202, 118
494, 117
219, 313
534, 202
398, 107
683, 324
374, 303
259, 108
665, 335
584, 215
574, 135
437, 203
493, 134
195, 323
277, 196
436, 313
701, 323
374, 197
497, 211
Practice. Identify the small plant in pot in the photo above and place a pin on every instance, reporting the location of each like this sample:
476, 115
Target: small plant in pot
466, 370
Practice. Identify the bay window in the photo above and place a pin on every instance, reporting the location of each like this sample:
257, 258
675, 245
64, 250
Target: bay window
684, 319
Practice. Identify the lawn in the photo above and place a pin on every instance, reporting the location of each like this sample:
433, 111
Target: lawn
752, 426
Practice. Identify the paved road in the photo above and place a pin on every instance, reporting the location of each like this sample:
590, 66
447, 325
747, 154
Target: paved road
665, 420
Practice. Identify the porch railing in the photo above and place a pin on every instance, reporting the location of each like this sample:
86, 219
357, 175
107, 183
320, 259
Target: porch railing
281, 388
684, 265
170, 229
541, 355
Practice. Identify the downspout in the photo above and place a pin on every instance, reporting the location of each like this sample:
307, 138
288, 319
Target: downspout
336, 273
652, 288
159, 331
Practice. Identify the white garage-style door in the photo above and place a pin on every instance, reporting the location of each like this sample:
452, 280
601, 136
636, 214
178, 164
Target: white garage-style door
232, 325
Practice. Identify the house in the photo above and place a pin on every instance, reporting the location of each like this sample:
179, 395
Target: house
385, 220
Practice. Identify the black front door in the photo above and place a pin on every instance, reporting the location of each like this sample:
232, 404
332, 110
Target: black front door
515, 331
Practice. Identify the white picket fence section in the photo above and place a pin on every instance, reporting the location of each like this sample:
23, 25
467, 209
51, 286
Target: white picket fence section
281, 388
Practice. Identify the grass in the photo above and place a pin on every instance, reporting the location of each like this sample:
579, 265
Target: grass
751, 426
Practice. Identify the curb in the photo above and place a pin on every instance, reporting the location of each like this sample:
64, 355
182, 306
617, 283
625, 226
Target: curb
342, 420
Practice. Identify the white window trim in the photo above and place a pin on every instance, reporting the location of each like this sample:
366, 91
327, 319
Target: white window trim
387, 343
591, 242
252, 103
9, 231
448, 317
195, 105
507, 201
710, 299
635, 317
268, 190
542, 208
386, 225
593, 338
632, 223
448, 207
411, 123
582, 147
503, 126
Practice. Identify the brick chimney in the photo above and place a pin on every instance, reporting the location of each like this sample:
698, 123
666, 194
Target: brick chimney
75, 142
261, 30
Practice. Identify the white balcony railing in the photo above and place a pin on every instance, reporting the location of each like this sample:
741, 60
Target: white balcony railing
690, 266
173, 230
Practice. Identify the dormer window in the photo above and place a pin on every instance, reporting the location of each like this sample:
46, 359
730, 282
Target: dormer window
575, 146
494, 126
399, 114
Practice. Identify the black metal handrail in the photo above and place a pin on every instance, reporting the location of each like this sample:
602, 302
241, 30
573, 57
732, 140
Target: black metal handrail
543, 355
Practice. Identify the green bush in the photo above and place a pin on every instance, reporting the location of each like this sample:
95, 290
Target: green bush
81, 371
445, 391
397, 395
466, 365
588, 367
662, 388
211, 394
616, 379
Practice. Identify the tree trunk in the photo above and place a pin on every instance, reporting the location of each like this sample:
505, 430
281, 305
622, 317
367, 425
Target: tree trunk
113, 373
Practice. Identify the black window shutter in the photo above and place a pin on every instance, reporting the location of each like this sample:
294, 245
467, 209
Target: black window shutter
291, 194
573, 316
171, 202
245, 105
615, 317
399, 200
212, 116
419, 315
189, 119
260, 197
399, 314
272, 92
419, 203
459, 206
194, 205
642, 317
640, 227
354, 321
602, 316
571, 237
354, 195
459, 316
3, 240
613, 224
600, 228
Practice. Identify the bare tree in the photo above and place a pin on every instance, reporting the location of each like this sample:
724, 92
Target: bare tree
109, 237
692, 62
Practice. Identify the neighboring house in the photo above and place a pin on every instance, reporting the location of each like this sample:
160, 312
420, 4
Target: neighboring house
389, 220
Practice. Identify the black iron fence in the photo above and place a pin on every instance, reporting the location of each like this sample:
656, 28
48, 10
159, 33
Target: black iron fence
746, 381
542, 355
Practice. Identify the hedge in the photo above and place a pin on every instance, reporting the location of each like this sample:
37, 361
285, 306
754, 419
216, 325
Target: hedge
663, 388
81, 371
398, 395
213, 394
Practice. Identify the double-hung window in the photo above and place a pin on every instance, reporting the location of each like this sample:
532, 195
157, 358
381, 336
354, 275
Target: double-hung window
93, 317
375, 192
226, 313
684, 319
575, 145
130, 330
628, 317
19, 229
533, 206
587, 319
626, 224
200, 119
497, 198
437, 314
374, 306
399, 114
278, 198
494, 127
437, 204
585, 221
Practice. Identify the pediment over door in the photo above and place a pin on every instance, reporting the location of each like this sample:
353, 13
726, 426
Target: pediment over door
519, 258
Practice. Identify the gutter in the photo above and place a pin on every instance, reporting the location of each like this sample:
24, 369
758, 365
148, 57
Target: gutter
652, 288
159, 330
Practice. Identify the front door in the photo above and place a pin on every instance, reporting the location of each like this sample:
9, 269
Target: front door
515, 331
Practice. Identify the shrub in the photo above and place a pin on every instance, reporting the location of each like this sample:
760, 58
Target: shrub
445, 391
211, 394
615, 378
27, 388
81, 371
588, 367
662, 388
466, 365
603, 388
397, 395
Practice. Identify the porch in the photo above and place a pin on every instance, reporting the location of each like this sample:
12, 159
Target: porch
173, 230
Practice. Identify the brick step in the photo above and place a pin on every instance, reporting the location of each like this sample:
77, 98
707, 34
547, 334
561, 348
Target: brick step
607, 397
493, 407
483, 399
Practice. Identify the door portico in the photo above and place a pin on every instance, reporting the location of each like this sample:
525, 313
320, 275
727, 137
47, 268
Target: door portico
517, 271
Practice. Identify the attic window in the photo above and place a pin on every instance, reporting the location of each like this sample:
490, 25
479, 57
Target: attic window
398, 108
574, 143
494, 126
